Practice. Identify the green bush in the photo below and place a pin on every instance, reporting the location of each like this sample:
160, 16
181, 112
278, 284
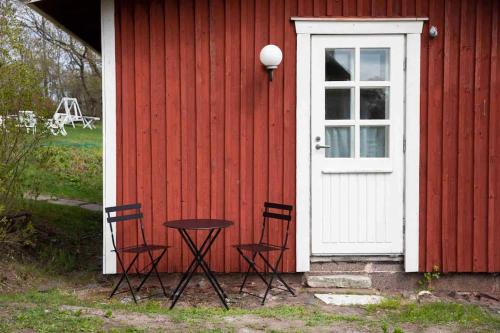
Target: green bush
67, 172
20, 89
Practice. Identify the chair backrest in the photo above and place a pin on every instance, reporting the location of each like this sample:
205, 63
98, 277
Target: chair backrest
276, 212
125, 213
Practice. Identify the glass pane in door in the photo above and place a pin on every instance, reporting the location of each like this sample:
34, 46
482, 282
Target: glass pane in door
339, 139
374, 103
339, 103
339, 64
374, 64
374, 141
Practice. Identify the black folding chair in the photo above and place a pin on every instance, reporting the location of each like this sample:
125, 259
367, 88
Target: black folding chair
249, 252
137, 216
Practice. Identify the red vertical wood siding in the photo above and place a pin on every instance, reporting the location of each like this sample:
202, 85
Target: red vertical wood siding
201, 132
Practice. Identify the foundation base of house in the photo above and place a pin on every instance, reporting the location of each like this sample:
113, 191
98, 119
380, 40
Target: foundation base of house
389, 275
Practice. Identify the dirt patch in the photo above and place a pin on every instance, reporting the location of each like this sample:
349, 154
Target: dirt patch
238, 323
123, 318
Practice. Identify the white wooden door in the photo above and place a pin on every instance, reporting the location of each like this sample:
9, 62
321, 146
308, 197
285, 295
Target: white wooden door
357, 127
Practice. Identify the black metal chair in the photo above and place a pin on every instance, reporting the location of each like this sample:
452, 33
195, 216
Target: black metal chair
249, 252
136, 250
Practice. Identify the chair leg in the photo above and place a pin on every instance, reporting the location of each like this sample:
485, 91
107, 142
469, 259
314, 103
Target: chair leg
269, 287
154, 262
248, 270
158, 274
122, 277
253, 266
125, 275
276, 273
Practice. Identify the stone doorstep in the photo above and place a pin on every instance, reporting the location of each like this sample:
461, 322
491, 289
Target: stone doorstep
342, 299
338, 281
343, 291
358, 267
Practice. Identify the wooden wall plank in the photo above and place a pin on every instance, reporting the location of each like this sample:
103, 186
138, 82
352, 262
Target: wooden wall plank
422, 9
217, 84
364, 7
394, 8
172, 131
261, 116
379, 8
349, 8
275, 107
232, 135
494, 146
158, 115
465, 138
450, 135
305, 8
248, 65
333, 8
435, 139
408, 7
129, 122
481, 118
319, 7
202, 99
143, 118
188, 116
289, 124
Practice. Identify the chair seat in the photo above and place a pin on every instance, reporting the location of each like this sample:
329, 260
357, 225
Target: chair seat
262, 247
141, 248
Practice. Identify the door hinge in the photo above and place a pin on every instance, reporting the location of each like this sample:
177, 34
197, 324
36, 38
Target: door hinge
404, 64
404, 145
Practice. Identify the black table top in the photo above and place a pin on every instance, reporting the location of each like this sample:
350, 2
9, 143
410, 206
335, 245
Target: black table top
198, 224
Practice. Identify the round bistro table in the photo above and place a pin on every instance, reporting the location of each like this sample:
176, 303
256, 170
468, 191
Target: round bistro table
214, 227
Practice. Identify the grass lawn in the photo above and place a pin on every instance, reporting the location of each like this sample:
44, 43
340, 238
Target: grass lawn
56, 285
71, 165
59, 310
61, 290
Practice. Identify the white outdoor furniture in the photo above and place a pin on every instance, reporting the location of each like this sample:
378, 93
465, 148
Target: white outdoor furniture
56, 126
28, 120
69, 112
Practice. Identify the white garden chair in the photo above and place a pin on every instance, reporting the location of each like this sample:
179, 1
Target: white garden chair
56, 126
28, 120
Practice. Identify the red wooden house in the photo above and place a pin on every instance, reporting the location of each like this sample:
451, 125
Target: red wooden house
381, 124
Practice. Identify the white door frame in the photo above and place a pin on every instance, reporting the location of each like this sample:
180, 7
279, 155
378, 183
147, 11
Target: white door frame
411, 28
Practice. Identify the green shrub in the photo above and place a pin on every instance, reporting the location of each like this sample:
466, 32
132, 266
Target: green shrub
67, 172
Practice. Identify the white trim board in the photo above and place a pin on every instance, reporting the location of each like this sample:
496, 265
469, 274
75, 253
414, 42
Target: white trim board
358, 19
411, 28
109, 126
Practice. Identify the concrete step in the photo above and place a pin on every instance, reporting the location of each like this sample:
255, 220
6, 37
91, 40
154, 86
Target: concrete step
343, 291
345, 299
350, 281
360, 267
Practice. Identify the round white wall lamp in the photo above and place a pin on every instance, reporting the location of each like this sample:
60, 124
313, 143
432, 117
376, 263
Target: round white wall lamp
270, 57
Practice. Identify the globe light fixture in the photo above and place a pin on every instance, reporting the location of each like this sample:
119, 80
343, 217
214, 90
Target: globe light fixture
270, 57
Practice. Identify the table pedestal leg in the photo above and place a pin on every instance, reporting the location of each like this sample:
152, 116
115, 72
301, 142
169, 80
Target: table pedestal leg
199, 261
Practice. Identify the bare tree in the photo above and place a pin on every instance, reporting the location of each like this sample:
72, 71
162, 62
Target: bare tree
69, 68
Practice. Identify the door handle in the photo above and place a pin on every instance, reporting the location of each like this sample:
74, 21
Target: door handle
318, 146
